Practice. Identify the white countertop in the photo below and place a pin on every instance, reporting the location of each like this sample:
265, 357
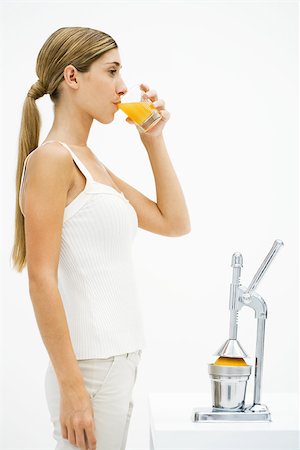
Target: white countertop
172, 427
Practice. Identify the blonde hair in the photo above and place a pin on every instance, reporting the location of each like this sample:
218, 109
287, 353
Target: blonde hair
78, 46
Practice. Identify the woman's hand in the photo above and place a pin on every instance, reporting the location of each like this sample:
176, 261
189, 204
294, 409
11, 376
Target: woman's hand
159, 104
77, 419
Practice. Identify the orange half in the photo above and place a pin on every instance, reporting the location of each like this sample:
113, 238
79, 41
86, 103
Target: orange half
224, 361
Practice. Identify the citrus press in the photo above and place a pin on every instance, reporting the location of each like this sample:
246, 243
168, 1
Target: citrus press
230, 373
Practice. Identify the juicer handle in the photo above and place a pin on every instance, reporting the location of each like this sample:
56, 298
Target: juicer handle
265, 264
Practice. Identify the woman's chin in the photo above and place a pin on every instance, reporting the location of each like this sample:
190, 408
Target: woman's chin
105, 120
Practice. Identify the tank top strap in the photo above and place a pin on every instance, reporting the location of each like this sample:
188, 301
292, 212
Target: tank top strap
81, 166
22, 181
78, 162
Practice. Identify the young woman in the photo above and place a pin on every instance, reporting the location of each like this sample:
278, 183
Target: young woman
75, 225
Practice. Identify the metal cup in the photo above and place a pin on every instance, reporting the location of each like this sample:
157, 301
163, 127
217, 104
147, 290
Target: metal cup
228, 386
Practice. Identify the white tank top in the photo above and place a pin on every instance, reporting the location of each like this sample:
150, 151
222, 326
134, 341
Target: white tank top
96, 277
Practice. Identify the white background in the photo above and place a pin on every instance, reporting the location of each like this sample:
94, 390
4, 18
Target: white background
228, 72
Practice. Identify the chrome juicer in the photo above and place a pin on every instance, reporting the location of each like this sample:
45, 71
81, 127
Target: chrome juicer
229, 380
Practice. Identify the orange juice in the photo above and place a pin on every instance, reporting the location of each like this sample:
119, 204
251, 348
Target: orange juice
224, 361
139, 112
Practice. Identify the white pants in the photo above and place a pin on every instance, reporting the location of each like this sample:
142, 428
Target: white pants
110, 382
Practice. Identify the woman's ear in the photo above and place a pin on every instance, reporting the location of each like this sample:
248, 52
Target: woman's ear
71, 76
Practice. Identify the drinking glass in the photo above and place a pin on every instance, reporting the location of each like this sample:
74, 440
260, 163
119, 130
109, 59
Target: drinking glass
139, 108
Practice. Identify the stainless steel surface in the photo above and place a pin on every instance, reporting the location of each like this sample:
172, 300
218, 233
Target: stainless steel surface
208, 415
228, 371
260, 338
257, 408
232, 349
254, 301
236, 264
265, 264
237, 260
228, 386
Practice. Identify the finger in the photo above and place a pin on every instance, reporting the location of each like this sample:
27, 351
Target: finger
144, 87
159, 104
71, 436
165, 115
152, 94
64, 431
80, 441
90, 437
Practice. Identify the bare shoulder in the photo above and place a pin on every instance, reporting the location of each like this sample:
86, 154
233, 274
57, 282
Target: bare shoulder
50, 159
49, 176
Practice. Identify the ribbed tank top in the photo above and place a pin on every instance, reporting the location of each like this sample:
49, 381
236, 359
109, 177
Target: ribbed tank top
96, 277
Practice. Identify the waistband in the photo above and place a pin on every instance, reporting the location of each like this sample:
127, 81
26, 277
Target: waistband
110, 358
126, 355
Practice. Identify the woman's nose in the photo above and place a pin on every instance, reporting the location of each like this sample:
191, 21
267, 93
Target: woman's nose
122, 90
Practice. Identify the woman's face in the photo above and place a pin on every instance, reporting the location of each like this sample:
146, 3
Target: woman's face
101, 88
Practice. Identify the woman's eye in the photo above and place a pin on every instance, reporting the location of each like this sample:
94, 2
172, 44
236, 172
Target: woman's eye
113, 71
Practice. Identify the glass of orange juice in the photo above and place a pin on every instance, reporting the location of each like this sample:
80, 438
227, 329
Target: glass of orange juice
139, 108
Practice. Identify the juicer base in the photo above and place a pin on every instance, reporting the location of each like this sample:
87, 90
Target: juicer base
208, 415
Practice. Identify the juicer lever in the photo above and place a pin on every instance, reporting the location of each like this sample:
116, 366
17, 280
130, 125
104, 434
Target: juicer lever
264, 266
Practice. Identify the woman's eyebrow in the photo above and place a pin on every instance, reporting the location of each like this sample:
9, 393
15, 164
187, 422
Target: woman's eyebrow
115, 62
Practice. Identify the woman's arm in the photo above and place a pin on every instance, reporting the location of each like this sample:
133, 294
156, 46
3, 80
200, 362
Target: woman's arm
169, 215
170, 198
52, 323
48, 179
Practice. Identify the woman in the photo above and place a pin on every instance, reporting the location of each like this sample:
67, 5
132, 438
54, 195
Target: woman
75, 225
